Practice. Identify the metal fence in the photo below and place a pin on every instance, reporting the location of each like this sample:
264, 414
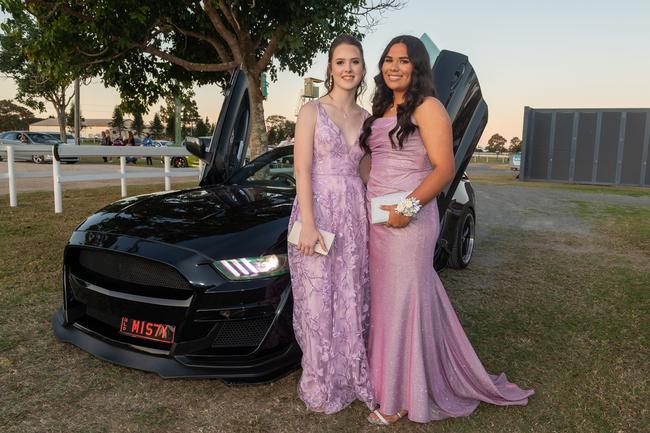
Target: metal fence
597, 146
58, 177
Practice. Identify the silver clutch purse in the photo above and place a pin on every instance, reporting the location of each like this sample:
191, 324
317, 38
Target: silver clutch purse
378, 215
294, 237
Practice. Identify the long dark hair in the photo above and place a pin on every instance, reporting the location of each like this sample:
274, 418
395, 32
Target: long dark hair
344, 40
421, 86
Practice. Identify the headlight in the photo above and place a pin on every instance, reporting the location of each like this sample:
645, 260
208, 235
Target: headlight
251, 268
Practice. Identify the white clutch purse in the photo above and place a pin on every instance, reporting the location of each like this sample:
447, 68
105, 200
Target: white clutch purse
294, 237
378, 215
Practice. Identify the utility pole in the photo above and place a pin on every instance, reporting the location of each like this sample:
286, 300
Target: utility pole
177, 127
77, 114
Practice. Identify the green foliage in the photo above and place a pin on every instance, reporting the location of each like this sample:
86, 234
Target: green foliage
170, 126
201, 128
13, 116
515, 145
279, 128
138, 123
117, 121
69, 118
496, 143
153, 48
156, 127
42, 72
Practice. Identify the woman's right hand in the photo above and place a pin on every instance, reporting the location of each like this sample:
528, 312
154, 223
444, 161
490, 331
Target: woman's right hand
309, 237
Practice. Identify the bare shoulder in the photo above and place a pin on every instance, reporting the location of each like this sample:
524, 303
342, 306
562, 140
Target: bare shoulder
308, 112
430, 109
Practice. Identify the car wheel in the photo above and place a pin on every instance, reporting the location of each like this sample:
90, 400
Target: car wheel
179, 162
461, 253
38, 159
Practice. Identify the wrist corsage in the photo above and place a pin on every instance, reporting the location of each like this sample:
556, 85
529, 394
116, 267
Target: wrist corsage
408, 206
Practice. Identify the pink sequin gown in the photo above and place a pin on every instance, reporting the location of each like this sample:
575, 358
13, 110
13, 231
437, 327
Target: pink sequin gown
420, 359
330, 293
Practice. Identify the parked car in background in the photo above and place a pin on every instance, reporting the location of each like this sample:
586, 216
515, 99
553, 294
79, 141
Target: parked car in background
190, 161
69, 138
515, 162
21, 138
162, 143
195, 282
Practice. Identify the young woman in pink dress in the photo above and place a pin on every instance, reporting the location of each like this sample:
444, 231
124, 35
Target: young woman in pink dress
330, 292
422, 364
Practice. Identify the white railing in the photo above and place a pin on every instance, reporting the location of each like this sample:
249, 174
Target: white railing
490, 157
67, 151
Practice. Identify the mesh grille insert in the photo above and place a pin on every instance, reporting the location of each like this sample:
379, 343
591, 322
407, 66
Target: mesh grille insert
238, 333
132, 269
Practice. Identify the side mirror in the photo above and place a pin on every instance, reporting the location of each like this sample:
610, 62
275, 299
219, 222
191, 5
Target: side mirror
195, 148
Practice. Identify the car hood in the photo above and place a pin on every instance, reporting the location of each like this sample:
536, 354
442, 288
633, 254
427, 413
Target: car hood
210, 220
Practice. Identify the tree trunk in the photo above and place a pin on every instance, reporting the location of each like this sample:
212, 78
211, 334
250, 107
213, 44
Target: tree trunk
258, 139
61, 117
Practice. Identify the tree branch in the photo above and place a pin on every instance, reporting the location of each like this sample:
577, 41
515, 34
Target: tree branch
191, 66
263, 62
223, 55
220, 27
230, 16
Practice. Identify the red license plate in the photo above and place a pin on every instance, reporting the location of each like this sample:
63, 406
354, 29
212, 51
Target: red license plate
147, 330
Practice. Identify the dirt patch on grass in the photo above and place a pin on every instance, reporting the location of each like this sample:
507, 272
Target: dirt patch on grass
560, 307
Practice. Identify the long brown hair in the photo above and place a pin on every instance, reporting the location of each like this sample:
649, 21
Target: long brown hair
421, 86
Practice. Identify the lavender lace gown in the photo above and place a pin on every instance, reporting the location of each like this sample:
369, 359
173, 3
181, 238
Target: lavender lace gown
419, 356
330, 314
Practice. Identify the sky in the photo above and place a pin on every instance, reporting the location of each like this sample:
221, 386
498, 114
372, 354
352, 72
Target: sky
551, 54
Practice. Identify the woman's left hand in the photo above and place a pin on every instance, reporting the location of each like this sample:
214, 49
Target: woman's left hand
395, 220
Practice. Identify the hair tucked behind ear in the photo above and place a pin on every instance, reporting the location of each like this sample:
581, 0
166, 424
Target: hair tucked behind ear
421, 86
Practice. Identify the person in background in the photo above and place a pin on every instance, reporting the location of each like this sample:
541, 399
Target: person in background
130, 141
106, 141
148, 142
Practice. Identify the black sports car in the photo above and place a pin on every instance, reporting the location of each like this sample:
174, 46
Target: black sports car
195, 283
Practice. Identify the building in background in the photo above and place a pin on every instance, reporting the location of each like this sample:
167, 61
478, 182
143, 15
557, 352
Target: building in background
91, 128
597, 146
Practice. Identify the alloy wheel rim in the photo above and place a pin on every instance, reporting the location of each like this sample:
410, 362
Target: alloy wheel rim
467, 239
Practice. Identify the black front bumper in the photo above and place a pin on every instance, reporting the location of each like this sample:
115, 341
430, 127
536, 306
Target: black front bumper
260, 370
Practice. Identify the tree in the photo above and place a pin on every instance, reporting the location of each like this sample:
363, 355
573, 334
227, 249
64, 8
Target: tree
279, 128
156, 127
201, 129
515, 145
160, 46
138, 123
118, 120
69, 119
41, 72
170, 126
13, 116
496, 143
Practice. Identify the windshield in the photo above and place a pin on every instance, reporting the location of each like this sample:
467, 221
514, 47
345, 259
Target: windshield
43, 139
272, 169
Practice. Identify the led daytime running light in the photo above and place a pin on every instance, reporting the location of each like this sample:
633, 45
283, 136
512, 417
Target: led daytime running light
250, 268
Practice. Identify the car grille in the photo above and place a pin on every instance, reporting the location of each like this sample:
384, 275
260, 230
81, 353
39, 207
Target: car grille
130, 274
239, 333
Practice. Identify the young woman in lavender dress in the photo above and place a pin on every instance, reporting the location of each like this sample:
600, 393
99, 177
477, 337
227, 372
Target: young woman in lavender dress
330, 292
422, 364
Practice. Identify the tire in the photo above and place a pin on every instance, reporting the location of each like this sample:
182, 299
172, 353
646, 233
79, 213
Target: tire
463, 248
179, 162
38, 159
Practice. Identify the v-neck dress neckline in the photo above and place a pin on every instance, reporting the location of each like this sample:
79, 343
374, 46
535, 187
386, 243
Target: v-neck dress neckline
340, 131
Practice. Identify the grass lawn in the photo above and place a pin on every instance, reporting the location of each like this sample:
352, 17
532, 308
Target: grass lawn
568, 315
508, 178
